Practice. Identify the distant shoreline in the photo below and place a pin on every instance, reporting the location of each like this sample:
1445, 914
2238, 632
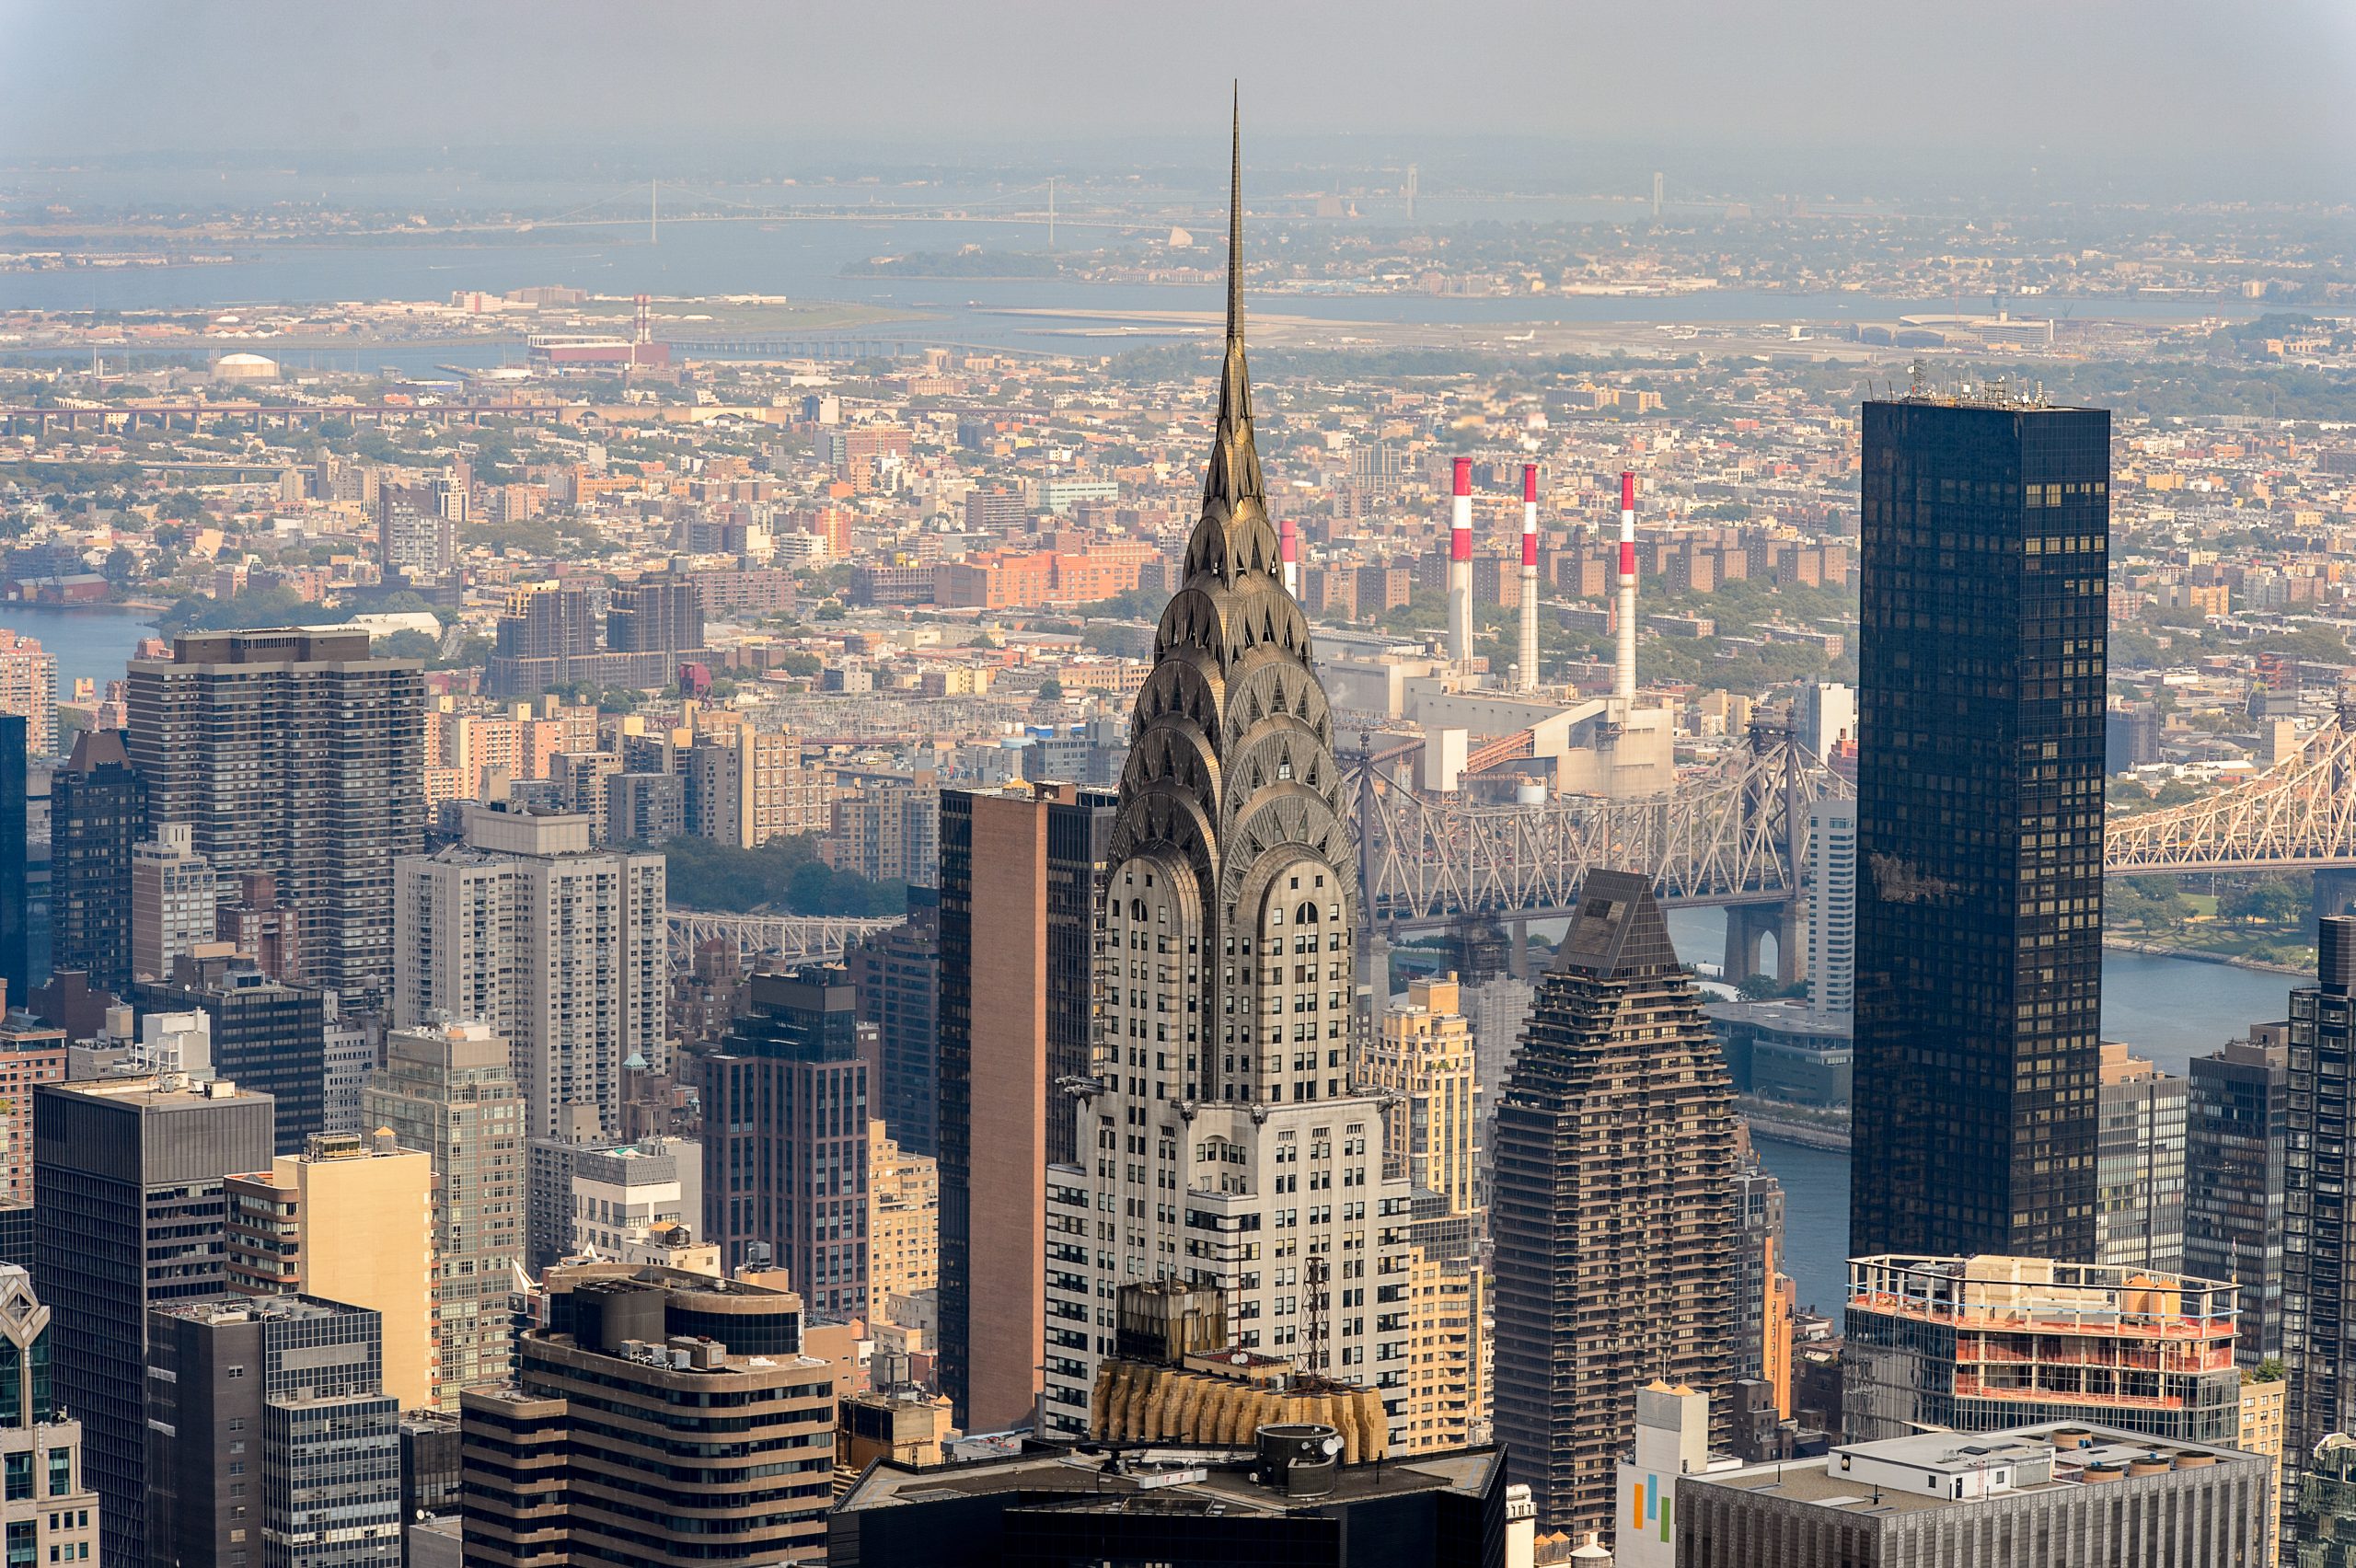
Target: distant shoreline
85, 606
2200, 955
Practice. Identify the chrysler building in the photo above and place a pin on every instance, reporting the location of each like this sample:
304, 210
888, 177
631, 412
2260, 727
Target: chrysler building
1221, 1140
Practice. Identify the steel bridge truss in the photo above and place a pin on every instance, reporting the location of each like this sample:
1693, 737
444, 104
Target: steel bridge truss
1723, 836
2301, 811
785, 939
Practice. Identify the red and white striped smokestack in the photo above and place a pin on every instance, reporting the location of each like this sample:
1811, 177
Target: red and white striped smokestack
1459, 570
1289, 551
1623, 684
1529, 577
1460, 521
1530, 515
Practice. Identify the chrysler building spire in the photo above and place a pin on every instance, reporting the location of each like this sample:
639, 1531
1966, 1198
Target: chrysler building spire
1234, 471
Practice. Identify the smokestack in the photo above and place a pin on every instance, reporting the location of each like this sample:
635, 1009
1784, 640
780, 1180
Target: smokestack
1623, 684
1289, 551
1529, 577
1460, 571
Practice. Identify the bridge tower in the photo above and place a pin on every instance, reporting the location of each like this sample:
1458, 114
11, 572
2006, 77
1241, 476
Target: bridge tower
2334, 890
1749, 925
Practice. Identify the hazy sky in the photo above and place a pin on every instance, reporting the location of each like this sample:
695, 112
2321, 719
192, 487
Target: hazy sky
2212, 92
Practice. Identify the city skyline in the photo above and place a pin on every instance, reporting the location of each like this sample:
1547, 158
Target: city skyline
1585, 907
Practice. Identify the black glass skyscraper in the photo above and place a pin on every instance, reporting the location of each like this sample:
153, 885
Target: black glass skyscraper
1985, 526
2237, 1132
16, 866
128, 1214
2319, 1160
97, 809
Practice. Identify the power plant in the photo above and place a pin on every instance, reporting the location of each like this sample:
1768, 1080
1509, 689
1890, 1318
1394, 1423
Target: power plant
1491, 734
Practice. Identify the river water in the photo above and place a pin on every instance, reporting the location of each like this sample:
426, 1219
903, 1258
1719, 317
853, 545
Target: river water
2168, 1009
93, 641
802, 257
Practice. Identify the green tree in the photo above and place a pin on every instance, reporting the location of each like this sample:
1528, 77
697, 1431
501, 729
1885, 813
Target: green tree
2267, 901
785, 873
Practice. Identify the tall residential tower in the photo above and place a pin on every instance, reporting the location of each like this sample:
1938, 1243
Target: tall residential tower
1986, 533
2318, 1277
1613, 1210
450, 1091
559, 946
295, 753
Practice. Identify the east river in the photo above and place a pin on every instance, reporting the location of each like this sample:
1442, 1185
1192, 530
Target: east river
2168, 1009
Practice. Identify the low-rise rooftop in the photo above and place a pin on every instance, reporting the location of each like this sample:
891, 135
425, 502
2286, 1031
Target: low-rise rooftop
1176, 1480
1943, 1469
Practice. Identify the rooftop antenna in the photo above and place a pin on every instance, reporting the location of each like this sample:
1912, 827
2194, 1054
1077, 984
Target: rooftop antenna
1915, 387
1313, 1276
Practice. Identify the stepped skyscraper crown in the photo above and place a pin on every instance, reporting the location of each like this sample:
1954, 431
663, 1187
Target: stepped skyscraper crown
1231, 788
1219, 1080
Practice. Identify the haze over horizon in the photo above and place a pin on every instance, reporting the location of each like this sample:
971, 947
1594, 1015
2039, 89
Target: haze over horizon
1823, 96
